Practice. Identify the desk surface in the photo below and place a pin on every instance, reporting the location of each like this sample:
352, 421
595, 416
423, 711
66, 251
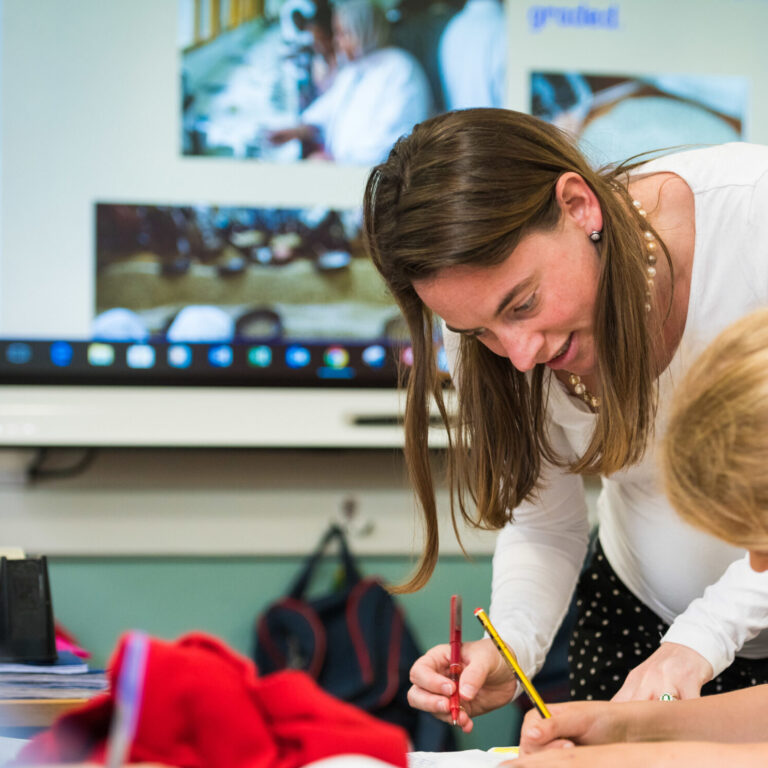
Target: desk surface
34, 713
35, 700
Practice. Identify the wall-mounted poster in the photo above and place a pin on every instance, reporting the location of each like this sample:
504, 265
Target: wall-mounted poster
310, 79
617, 117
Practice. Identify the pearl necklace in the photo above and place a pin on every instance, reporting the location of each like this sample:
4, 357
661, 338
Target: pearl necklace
651, 246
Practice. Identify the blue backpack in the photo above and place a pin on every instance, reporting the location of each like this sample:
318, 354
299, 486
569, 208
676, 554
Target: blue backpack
353, 641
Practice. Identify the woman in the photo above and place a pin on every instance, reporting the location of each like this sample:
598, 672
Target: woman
378, 93
715, 452
572, 300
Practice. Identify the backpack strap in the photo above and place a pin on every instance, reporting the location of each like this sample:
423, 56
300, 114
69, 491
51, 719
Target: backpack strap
393, 659
392, 635
355, 629
351, 573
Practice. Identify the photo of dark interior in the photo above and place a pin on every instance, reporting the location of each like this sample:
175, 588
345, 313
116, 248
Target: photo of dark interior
216, 273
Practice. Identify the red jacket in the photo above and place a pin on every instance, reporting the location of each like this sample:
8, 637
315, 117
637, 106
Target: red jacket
204, 706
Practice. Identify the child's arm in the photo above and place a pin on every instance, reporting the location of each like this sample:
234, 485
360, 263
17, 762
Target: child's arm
728, 717
656, 755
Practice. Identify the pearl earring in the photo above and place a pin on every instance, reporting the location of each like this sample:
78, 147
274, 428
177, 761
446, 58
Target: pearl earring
595, 236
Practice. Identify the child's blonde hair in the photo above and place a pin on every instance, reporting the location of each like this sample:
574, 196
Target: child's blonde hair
715, 452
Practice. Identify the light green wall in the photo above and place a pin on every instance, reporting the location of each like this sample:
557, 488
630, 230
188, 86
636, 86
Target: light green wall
98, 598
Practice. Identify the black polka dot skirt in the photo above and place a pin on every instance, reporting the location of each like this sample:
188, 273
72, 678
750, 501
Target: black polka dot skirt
615, 631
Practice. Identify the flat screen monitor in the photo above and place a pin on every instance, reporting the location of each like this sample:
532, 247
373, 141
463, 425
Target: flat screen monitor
180, 185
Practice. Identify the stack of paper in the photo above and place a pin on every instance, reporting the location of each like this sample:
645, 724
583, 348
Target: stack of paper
68, 678
66, 664
467, 758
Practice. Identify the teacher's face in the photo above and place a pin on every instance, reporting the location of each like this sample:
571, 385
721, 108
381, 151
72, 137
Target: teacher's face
536, 307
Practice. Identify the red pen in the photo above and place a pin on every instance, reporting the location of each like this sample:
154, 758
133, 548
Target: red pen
456, 667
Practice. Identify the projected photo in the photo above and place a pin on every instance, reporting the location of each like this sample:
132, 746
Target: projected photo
616, 117
207, 274
340, 81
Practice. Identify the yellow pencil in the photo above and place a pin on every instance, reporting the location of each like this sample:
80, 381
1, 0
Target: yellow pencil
533, 694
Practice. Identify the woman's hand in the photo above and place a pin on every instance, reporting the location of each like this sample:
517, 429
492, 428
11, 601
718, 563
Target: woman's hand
662, 754
485, 684
674, 669
578, 722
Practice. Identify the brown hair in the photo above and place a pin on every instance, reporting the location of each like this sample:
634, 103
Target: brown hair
464, 188
715, 451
